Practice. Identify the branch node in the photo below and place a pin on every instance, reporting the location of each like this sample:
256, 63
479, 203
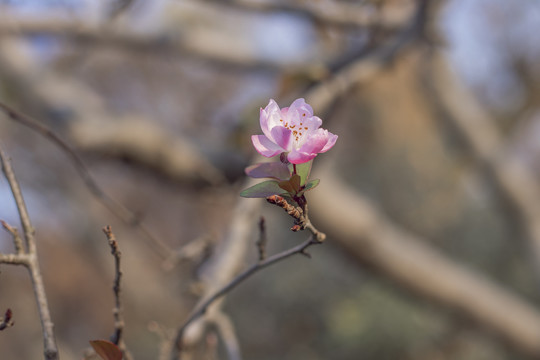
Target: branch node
17, 240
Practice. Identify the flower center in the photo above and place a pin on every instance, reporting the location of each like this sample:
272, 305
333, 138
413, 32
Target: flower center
298, 129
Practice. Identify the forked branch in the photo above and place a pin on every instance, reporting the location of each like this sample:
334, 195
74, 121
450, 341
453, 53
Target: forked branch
29, 259
315, 238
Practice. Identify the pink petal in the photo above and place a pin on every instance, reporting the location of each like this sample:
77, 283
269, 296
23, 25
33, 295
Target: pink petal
331, 142
302, 107
264, 146
269, 117
315, 142
282, 137
314, 123
297, 157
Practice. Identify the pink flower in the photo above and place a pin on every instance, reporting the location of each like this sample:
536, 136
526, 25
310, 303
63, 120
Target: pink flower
293, 130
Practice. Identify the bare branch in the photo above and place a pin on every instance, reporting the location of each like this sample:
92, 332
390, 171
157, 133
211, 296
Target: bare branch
225, 262
15, 259
119, 324
28, 230
203, 305
31, 262
17, 240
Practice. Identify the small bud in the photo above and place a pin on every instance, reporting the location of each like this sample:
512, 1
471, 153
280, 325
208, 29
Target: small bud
283, 158
296, 228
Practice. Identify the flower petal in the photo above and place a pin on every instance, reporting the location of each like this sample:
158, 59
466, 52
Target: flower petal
269, 117
314, 123
282, 137
265, 147
315, 142
297, 157
331, 142
303, 108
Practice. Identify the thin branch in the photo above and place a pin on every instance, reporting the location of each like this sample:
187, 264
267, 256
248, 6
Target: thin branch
370, 64
261, 264
344, 14
224, 264
261, 242
15, 259
115, 207
119, 324
31, 262
17, 240
28, 230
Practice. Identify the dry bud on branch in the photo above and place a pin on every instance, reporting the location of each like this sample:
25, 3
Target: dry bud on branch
295, 212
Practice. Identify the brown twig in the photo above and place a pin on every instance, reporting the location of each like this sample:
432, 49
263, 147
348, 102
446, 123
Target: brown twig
296, 212
30, 260
7, 320
299, 214
117, 337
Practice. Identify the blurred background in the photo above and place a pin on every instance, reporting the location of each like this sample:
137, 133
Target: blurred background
430, 198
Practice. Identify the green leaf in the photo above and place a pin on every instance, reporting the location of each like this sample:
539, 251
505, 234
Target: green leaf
276, 170
309, 186
262, 190
303, 171
106, 350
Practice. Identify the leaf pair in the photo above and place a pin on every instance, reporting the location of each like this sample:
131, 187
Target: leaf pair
289, 180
